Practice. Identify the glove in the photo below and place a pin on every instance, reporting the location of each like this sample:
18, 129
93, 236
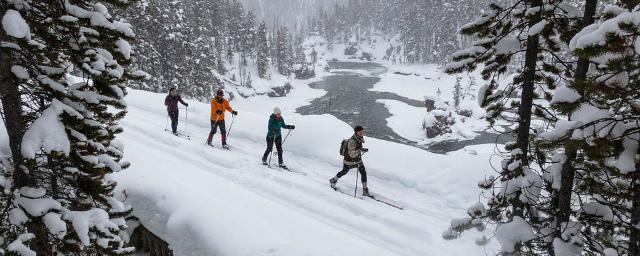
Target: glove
235, 113
365, 150
219, 112
292, 127
186, 104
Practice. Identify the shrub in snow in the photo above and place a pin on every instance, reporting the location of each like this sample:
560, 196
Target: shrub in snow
437, 123
303, 72
351, 50
280, 91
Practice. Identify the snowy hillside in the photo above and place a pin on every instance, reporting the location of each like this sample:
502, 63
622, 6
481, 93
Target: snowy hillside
207, 201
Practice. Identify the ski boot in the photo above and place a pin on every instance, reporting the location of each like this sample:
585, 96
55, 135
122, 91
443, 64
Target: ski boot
365, 189
333, 182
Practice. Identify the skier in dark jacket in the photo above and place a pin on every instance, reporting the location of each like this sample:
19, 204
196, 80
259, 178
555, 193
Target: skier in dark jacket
276, 123
353, 159
171, 101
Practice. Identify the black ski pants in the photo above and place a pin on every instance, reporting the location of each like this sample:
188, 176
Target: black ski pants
173, 115
223, 131
278, 142
361, 169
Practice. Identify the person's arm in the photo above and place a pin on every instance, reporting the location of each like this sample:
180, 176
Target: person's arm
227, 107
182, 101
166, 100
284, 125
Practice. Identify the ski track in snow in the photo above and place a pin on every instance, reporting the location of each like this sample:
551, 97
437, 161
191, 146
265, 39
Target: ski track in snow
206, 201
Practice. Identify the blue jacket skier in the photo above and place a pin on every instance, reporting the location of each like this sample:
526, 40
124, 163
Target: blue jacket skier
274, 135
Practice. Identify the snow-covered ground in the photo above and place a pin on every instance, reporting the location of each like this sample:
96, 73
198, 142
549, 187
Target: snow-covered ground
207, 201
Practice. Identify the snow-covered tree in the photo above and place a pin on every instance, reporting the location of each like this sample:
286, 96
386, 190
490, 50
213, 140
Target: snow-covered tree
62, 130
600, 137
531, 36
262, 45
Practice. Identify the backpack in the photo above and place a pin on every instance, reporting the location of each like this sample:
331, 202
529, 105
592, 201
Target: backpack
343, 147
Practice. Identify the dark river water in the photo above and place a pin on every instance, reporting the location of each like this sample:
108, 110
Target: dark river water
348, 98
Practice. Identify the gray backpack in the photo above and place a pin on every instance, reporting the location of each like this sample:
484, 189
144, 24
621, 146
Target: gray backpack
343, 147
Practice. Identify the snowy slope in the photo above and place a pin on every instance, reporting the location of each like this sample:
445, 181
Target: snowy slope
206, 201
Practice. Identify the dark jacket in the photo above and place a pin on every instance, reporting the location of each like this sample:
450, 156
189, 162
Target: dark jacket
275, 124
354, 150
172, 102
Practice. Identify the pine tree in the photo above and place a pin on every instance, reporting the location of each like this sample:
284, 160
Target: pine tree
602, 132
534, 31
63, 201
262, 43
457, 93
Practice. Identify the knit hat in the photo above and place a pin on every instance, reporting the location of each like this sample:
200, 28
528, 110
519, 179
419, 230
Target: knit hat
277, 110
358, 128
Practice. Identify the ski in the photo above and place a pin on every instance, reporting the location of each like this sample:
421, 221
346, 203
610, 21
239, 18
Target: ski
386, 202
179, 135
371, 197
284, 169
224, 148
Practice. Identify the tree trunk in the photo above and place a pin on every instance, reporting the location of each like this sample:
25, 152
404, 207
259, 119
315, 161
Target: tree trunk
16, 127
634, 236
568, 172
526, 99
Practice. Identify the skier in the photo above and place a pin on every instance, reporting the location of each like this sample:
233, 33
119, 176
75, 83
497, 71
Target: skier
218, 106
276, 123
353, 159
171, 101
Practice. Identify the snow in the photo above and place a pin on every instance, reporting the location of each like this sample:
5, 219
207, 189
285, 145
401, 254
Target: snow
47, 132
14, 25
38, 206
83, 221
404, 119
537, 28
626, 163
19, 247
20, 72
55, 224
508, 45
124, 47
204, 201
514, 232
565, 94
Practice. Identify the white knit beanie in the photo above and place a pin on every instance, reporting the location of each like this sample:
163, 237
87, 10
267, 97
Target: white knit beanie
277, 110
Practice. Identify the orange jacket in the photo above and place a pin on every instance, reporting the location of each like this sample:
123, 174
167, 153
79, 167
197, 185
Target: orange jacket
215, 106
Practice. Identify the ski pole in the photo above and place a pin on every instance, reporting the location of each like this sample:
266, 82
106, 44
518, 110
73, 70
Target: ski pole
355, 192
186, 128
285, 138
231, 126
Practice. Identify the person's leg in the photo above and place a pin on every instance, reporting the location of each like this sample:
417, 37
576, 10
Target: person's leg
212, 132
334, 180
363, 174
223, 132
173, 115
278, 142
269, 148
345, 170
